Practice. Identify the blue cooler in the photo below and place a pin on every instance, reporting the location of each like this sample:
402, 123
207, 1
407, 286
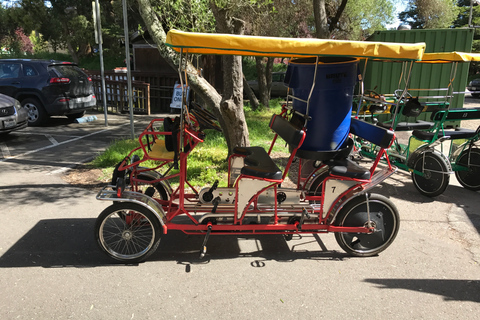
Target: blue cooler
331, 101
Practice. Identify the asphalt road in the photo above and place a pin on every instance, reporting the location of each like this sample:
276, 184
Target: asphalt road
51, 268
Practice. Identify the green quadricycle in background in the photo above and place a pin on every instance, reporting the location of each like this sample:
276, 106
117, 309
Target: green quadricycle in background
433, 151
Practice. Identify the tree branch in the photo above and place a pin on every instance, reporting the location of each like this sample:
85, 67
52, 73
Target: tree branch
335, 19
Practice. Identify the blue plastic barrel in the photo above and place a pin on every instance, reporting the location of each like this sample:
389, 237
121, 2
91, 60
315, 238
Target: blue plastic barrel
331, 101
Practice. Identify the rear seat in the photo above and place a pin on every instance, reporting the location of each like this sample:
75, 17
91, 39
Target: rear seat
448, 115
258, 162
408, 126
459, 133
377, 135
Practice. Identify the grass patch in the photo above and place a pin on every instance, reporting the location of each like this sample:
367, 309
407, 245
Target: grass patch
208, 161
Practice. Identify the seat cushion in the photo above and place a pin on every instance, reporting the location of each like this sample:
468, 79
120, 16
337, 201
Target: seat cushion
459, 133
259, 164
348, 168
408, 126
159, 151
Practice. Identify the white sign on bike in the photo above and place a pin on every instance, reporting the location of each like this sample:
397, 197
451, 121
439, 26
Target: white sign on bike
177, 96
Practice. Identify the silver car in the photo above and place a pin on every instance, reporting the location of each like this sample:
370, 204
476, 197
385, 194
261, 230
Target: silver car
12, 115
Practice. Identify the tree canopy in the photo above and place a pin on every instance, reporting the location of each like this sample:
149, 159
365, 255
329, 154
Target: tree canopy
430, 14
64, 24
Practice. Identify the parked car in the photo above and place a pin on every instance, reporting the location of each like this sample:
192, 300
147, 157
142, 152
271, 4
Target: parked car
279, 89
47, 88
474, 88
12, 115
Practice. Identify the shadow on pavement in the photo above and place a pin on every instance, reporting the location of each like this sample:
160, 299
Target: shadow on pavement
403, 188
450, 289
58, 243
37, 194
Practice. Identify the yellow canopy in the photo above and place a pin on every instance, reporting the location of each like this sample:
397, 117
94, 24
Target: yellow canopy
442, 57
210, 43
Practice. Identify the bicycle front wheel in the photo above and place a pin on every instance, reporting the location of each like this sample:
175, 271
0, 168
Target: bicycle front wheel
127, 232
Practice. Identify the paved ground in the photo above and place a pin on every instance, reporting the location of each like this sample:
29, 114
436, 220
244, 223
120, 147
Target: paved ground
50, 267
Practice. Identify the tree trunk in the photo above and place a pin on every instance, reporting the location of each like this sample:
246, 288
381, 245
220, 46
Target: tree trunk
264, 77
321, 23
250, 95
72, 52
229, 111
263, 90
231, 106
268, 75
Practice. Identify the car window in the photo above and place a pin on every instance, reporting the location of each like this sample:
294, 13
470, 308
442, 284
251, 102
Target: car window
29, 71
9, 70
66, 70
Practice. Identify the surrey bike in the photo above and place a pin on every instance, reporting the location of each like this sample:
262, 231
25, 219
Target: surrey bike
332, 197
426, 154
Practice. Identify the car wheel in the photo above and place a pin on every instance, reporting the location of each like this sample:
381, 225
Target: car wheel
36, 113
476, 95
73, 116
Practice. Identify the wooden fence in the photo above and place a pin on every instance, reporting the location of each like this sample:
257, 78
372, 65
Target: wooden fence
152, 92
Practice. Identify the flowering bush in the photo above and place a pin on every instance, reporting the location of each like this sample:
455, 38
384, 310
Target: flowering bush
24, 43
17, 44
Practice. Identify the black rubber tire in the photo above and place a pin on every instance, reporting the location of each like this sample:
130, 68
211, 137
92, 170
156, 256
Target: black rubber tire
316, 188
436, 177
128, 241
73, 116
160, 192
469, 179
37, 115
383, 214
475, 95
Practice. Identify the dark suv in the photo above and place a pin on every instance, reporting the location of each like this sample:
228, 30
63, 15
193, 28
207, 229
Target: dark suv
474, 88
47, 88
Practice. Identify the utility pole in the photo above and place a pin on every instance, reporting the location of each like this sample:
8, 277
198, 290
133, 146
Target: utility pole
99, 41
129, 72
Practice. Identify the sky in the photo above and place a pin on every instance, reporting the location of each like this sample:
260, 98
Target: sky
400, 6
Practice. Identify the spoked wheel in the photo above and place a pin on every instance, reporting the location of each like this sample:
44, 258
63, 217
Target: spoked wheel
435, 177
383, 217
469, 179
127, 232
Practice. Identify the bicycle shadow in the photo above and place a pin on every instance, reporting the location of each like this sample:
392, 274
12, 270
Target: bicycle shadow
60, 243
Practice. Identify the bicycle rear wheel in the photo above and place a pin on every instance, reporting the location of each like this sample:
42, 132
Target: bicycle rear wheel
469, 179
435, 176
380, 212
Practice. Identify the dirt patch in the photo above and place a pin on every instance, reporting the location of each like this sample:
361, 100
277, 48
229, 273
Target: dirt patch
86, 177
